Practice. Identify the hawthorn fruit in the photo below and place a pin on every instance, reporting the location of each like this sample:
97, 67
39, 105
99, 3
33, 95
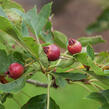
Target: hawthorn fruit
16, 70
52, 52
74, 46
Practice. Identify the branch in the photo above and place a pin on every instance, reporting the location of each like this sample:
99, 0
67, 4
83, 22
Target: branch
37, 83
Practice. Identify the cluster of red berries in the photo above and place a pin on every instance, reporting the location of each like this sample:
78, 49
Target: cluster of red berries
53, 52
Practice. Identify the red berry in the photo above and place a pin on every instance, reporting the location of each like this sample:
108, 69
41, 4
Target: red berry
16, 70
52, 51
74, 46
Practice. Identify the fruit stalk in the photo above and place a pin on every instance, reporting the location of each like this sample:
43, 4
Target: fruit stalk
48, 92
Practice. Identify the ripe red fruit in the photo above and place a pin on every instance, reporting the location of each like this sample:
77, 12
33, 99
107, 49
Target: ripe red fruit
52, 51
15, 70
74, 46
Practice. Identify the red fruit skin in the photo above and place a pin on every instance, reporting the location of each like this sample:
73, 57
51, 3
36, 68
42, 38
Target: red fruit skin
74, 46
15, 70
52, 52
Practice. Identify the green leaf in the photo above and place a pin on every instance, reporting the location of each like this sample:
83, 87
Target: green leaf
102, 97
95, 68
30, 18
17, 57
102, 58
40, 102
4, 62
90, 52
32, 45
98, 97
101, 24
7, 4
91, 40
9, 28
105, 106
66, 63
60, 39
44, 59
2, 13
38, 21
84, 59
71, 76
14, 18
1, 106
4, 96
2, 46
103, 79
48, 26
61, 82
13, 86
46, 37
25, 32
43, 17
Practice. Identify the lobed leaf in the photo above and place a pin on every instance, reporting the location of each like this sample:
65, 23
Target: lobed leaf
101, 78
8, 27
84, 59
4, 62
7, 4
13, 86
25, 32
32, 45
60, 39
91, 40
66, 63
38, 21
102, 58
71, 76
44, 59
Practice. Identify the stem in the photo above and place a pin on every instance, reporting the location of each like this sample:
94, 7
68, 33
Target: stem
98, 86
60, 59
29, 64
37, 83
58, 62
65, 55
93, 85
37, 40
48, 92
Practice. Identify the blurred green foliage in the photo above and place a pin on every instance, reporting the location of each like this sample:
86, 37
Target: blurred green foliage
102, 22
69, 97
